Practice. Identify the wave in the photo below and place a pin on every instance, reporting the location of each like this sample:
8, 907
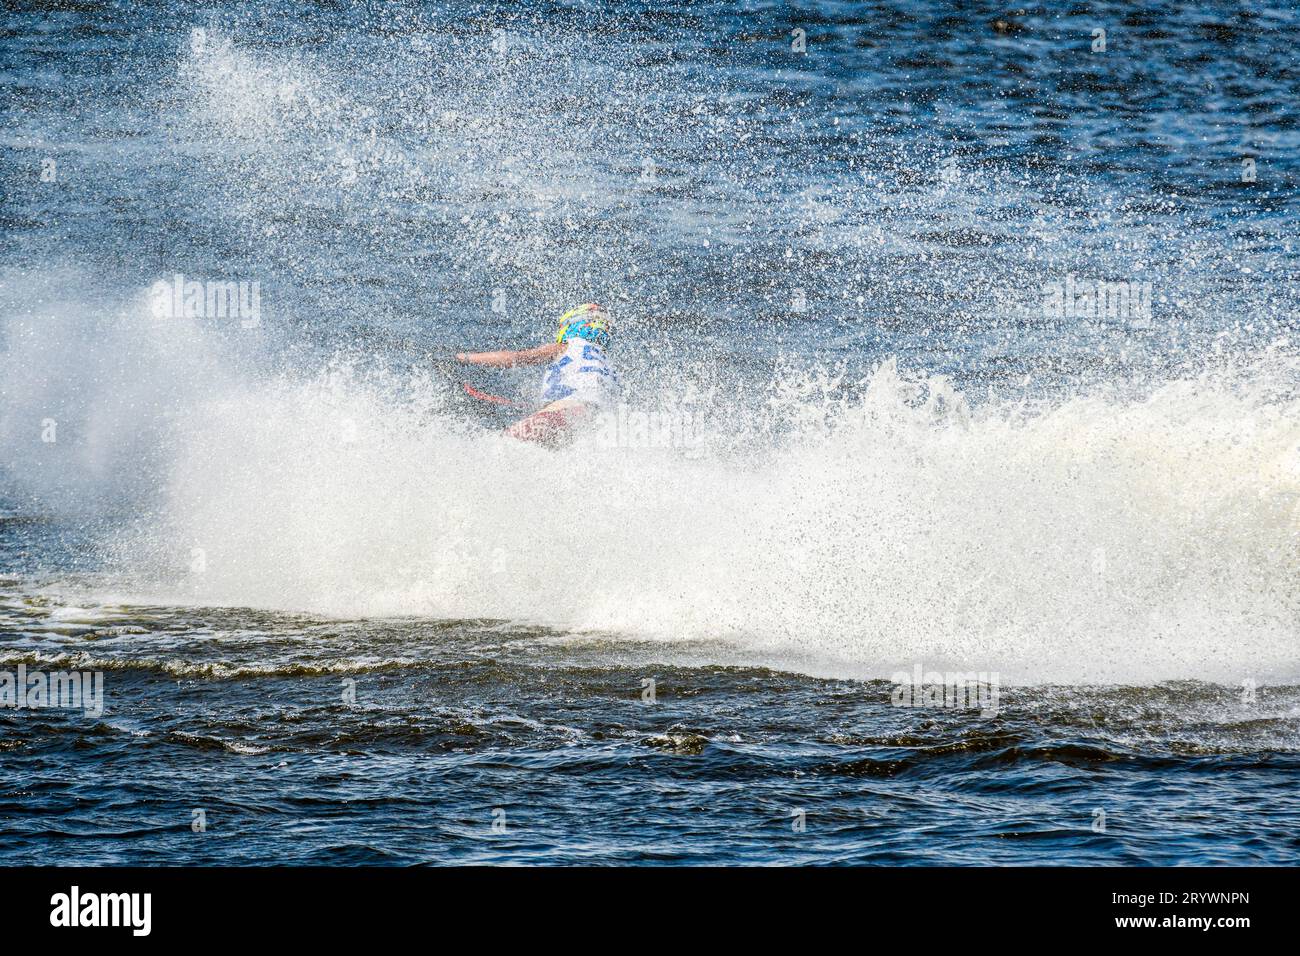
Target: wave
1123, 535
200, 669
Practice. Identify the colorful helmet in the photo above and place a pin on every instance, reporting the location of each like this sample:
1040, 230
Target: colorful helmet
588, 321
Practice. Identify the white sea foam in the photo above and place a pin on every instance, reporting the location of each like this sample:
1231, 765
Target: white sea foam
1105, 537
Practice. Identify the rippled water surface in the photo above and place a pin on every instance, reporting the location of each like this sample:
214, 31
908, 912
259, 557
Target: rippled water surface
457, 725
340, 619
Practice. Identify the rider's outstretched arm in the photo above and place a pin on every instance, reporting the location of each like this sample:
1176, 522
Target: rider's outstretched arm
507, 359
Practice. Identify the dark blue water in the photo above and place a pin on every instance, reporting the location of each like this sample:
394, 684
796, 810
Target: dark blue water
339, 619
